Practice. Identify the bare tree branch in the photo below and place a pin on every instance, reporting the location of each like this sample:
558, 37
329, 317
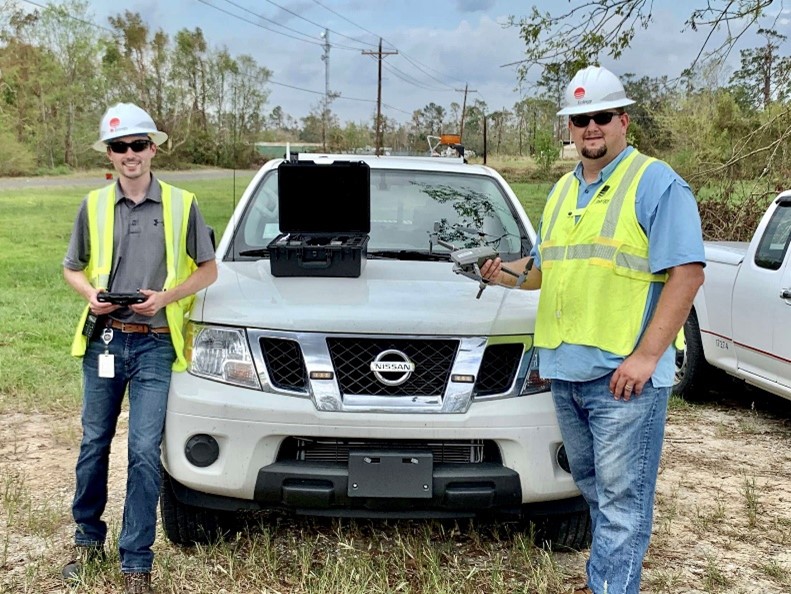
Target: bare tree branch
595, 27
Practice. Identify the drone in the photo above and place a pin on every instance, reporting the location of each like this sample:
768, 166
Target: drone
468, 262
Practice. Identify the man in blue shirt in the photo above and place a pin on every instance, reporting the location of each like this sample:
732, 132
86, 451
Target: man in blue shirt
619, 258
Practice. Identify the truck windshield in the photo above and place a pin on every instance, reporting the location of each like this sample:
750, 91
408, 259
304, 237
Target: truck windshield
410, 211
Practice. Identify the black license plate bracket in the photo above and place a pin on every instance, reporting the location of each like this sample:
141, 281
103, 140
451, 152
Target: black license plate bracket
391, 474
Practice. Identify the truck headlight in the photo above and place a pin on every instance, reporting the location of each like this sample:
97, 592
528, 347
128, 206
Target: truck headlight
220, 354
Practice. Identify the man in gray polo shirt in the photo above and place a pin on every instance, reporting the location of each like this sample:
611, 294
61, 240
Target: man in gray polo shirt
146, 239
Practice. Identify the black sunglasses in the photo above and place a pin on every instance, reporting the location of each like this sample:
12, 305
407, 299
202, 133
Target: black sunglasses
137, 146
601, 119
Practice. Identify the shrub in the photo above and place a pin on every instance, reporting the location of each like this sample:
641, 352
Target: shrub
15, 158
545, 151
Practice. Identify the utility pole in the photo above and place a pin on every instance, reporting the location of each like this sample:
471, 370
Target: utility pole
324, 112
465, 90
380, 54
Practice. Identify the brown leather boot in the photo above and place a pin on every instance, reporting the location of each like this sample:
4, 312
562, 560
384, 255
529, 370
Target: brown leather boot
583, 590
137, 583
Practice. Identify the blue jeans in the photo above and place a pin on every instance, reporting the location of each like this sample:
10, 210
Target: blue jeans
613, 448
143, 364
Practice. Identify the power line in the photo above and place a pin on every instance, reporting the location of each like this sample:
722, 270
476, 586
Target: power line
401, 75
413, 62
72, 17
299, 16
259, 25
404, 76
262, 17
338, 98
418, 65
344, 18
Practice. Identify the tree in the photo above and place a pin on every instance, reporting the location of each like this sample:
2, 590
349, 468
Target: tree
190, 70
136, 65
764, 76
430, 119
593, 27
282, 124
651, 96
555, 77
312, 125
499, 128
534, 117
70, 83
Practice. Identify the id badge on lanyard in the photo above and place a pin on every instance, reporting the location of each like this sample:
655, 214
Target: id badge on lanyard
106, 360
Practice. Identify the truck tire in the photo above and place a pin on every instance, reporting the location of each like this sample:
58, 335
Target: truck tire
691, 366
188, 525
568, 531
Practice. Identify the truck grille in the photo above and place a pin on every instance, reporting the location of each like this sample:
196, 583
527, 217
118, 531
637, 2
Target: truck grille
284, 363
352, 357
308, 449
498, 368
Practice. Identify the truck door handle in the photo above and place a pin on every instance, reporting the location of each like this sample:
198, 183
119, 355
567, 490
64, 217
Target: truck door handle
785, 293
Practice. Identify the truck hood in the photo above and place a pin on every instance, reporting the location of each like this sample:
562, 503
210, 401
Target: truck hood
726, 252
389, 297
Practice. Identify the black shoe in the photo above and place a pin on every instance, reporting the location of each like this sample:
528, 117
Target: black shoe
83, 555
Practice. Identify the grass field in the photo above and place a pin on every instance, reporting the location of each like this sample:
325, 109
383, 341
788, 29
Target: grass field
38, 311
716, 531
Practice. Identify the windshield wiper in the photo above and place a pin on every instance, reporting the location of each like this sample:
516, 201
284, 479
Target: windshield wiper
256, 252
421, 255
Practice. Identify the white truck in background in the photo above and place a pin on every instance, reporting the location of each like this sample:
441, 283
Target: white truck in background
741, 318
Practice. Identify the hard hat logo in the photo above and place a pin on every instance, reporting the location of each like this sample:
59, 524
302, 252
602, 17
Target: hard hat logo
127, 119
593, 89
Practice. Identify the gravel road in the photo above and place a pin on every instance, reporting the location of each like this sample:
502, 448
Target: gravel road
98, 178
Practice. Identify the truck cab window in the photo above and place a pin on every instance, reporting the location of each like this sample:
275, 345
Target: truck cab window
774, 244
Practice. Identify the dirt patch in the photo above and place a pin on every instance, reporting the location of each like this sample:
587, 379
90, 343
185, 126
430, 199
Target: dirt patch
722, 518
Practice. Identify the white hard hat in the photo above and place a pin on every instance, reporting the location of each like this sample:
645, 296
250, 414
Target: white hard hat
593, 89
126, 119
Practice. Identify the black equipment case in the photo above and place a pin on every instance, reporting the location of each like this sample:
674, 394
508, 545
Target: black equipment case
325, 218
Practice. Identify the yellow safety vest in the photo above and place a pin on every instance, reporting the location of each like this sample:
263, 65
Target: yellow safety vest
176, 205
595, 272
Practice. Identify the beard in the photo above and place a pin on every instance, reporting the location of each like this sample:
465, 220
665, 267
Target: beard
594, 153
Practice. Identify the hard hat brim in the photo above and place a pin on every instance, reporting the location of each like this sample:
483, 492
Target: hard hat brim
594, 107
157, 138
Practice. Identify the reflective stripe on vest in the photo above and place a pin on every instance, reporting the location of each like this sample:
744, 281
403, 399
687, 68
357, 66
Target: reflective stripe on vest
100, 211
176, 205
594, 264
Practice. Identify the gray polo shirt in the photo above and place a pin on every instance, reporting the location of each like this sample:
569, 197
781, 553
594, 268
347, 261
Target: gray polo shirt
138, 247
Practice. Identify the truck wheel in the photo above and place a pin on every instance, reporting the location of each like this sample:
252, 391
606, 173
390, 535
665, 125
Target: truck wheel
569, 531
691, 365
189, 525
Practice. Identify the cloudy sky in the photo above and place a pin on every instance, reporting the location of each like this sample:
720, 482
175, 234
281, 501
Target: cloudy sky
441, 45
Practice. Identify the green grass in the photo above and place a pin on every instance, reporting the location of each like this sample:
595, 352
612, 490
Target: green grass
38, 310
533, 196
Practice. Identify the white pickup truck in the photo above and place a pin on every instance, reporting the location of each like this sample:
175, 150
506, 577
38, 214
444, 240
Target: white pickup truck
741, 319
390, 392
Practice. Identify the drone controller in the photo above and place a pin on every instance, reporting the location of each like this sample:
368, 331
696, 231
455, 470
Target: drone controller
120, 298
